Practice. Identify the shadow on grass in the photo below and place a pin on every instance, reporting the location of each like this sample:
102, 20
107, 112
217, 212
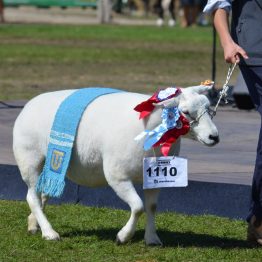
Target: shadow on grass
170, 239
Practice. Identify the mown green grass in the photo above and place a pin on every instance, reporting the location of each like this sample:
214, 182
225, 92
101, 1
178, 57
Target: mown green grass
91, 32
88, 234
40, 58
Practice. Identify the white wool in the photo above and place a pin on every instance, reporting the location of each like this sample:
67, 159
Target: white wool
105, 152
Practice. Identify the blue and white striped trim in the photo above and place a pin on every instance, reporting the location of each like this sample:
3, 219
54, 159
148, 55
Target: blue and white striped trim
62, 135
213, 5
60, 143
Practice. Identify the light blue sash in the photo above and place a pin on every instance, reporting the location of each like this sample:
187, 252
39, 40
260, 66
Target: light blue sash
52, 180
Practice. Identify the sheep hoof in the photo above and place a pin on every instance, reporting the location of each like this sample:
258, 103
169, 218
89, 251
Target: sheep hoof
32, 224
54, 236
32, 231
153, 241
118, 241
123, 236
121, 240
155, 244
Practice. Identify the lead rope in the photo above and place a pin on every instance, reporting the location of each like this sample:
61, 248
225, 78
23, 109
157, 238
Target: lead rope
223, 92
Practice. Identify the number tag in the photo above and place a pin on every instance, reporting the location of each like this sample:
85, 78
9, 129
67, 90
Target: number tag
164, 172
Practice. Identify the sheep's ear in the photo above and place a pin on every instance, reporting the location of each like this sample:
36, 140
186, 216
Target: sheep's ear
172, 102
201, 88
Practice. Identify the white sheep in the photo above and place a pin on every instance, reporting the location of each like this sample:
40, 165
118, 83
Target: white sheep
105, 152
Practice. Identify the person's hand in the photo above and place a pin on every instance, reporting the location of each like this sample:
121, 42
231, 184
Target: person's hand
232, 53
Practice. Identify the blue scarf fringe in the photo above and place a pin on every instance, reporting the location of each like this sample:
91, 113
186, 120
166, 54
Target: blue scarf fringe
50, 186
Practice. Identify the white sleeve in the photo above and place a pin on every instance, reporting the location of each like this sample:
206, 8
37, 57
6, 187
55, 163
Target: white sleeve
213, 5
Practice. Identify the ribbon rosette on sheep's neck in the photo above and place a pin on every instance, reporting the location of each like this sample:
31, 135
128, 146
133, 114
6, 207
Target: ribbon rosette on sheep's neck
173, 125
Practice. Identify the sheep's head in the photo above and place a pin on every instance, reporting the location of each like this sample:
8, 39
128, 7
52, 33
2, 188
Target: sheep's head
196, 108
184, 113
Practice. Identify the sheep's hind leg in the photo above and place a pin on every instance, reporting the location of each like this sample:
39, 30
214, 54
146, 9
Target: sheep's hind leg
126, 191
30, 171
33, 226
34, 203
151, 237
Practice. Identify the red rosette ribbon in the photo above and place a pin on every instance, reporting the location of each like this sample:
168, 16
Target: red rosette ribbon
169, 137
172, 135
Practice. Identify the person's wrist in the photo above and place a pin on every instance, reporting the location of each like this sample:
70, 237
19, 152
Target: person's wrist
226, 42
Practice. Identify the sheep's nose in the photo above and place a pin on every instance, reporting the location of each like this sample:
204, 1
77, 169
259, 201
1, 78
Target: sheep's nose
214, 138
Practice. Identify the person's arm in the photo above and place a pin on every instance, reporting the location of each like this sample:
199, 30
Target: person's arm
232, 51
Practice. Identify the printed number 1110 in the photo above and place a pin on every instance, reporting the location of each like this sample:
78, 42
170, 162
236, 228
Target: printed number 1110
164, 171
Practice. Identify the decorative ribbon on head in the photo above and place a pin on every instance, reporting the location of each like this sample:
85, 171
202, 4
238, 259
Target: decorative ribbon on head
146, 107
173, 125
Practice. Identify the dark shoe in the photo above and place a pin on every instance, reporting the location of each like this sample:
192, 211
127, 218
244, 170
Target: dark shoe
254, 230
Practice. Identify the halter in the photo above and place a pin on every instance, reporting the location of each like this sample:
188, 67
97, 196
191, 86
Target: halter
223, 92
208, 111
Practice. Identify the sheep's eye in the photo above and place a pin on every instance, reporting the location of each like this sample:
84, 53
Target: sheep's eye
186, 113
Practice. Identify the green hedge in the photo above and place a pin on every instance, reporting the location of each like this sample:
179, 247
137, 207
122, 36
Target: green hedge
49, 3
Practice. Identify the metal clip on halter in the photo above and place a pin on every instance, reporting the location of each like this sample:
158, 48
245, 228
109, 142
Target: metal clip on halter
223, 92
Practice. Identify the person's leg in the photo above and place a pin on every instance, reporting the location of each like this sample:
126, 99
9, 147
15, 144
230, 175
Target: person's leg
160, 12
185, 5
253, 79
2, 11
195, 11
187, 16
171, 9
140, 6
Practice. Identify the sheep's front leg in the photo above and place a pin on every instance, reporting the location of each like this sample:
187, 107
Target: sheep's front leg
151, 237
126, 191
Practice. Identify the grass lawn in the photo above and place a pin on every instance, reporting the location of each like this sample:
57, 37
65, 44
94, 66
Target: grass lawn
39, 58
88, 234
